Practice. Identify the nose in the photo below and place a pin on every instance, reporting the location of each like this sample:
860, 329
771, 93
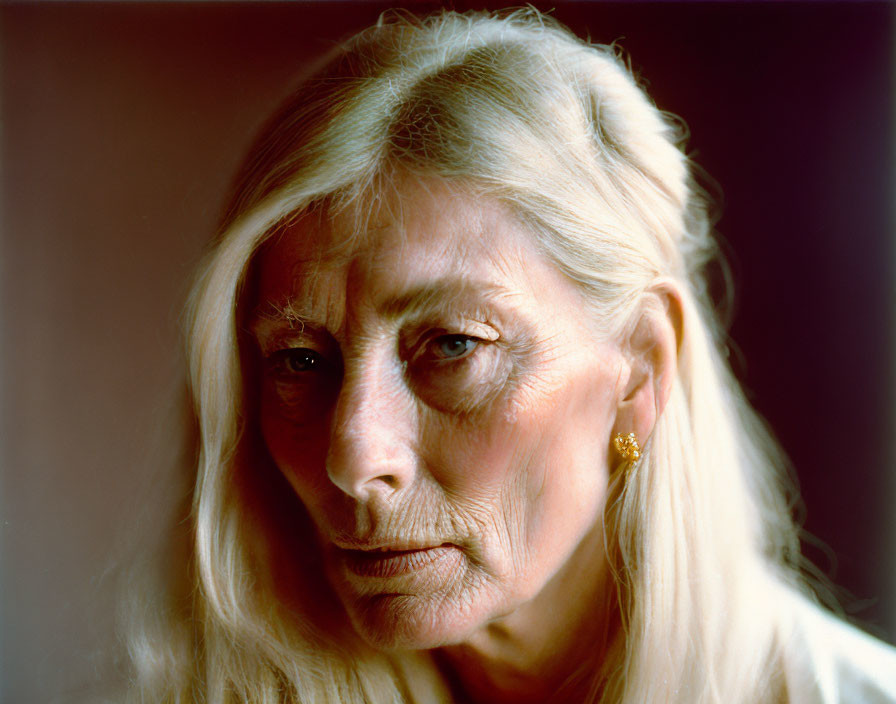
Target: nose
371, 436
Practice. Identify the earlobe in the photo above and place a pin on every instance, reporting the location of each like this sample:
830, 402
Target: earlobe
652, 350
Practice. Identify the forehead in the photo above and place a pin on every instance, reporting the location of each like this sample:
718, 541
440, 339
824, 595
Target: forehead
424, 231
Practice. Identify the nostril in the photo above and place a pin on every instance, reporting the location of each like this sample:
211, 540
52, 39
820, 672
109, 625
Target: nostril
390, 480
370, 451
360, 471
361, 487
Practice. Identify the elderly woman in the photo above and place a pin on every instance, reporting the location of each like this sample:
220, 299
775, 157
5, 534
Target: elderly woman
466, 433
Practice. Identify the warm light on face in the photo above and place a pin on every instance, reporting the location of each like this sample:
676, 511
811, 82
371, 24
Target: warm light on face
443, 410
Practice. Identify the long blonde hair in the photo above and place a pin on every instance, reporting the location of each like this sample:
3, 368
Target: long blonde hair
519, 109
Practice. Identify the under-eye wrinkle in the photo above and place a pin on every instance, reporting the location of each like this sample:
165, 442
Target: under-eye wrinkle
303, 382
461, 383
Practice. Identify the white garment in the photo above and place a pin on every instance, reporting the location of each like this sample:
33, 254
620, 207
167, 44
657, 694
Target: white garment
831, 662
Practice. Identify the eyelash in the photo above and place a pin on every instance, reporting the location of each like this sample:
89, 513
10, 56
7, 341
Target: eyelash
287, 358
449, 371
431, 348
295, 362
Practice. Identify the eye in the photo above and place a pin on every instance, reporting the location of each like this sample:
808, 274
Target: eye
297, 361
302, 383
455, 372
450, 347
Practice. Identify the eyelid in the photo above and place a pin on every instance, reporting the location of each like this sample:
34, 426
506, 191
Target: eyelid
292, 339
477, 330
480, 331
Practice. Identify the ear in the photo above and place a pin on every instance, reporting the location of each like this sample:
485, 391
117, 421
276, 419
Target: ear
651, 348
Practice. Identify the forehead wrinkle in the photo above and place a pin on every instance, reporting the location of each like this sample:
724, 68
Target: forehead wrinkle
273, 314
438, 294
307, 303
390, 222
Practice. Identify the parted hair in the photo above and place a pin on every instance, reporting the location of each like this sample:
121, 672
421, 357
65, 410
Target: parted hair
514, 107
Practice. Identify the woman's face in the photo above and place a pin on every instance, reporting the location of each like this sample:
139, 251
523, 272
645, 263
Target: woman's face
440, 405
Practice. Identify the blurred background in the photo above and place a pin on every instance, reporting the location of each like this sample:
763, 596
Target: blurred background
122, 125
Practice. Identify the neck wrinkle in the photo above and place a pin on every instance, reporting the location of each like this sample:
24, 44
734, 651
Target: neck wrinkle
574, 622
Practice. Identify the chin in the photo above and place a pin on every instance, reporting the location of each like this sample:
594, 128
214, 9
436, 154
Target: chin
409, 622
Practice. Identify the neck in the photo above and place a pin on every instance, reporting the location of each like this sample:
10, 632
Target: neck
539, 651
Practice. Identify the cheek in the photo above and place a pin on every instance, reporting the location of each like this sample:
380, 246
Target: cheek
534, 471
526, 444
574, 434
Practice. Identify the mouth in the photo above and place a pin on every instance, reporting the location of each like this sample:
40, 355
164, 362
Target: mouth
387, 561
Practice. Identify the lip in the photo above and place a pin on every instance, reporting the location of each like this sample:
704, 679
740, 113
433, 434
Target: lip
392, 561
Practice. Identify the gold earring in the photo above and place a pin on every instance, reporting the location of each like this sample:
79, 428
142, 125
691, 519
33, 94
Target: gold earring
627, 447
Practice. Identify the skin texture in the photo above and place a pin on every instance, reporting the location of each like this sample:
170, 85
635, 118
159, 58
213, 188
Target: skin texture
437, 400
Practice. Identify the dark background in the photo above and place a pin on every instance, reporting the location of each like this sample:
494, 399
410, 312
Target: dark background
123, 124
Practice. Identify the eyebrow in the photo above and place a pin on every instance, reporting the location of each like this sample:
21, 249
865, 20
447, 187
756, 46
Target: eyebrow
439, 293
266, 315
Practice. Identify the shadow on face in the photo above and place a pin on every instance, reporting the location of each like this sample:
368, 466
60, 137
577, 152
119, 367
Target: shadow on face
442, 408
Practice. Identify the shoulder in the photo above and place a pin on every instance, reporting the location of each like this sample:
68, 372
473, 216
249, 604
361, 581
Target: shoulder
827, 661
